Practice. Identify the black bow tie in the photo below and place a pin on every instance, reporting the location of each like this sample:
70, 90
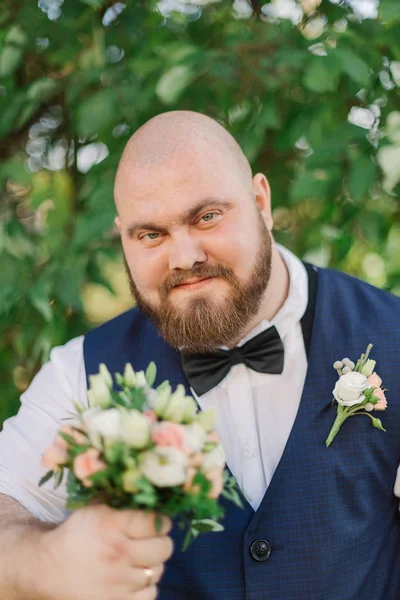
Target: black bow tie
263, 353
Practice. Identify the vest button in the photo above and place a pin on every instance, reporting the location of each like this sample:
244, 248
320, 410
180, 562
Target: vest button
260, 550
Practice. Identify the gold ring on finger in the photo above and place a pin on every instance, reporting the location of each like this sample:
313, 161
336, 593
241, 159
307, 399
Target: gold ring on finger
149, 576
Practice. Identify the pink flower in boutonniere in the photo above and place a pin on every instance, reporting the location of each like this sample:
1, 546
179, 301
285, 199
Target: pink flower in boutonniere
358, 391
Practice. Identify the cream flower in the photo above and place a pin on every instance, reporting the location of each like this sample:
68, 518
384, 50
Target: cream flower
108, 424
164, 466
195, 437
135, 429
99, 392
214, 460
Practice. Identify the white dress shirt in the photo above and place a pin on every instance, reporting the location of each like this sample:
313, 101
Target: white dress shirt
255, 412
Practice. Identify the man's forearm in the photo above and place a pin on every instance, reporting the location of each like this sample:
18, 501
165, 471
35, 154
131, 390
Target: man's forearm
21, 551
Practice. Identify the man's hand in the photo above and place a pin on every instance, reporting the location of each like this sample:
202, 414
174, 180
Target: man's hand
102, 554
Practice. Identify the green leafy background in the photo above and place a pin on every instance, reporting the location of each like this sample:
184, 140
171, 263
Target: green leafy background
314, 103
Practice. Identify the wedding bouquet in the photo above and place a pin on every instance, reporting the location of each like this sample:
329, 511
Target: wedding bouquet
143, 448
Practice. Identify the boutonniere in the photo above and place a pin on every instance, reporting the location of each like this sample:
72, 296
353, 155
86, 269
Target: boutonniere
357, 392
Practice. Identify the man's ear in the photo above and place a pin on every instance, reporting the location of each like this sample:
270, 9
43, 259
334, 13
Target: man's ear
117, 222
262, 195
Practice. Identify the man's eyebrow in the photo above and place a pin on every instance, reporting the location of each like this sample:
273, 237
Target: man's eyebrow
186, 217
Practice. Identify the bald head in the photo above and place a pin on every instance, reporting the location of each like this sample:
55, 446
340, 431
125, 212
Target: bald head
171, 137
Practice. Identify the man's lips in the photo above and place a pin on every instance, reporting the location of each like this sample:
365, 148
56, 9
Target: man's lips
192, 284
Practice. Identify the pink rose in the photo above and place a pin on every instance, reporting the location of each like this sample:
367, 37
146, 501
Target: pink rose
380, 394
217, 483
170, 434
54, 457
87, 464
374, 380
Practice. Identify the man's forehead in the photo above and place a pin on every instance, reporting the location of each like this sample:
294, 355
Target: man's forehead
182, 180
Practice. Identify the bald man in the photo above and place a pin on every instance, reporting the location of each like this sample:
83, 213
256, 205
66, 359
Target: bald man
209, 281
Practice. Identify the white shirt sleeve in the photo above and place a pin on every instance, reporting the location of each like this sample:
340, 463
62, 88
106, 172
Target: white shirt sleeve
45, 407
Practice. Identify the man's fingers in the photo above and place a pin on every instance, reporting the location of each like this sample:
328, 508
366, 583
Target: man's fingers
149, 593
141, 576
139, 524
149, 552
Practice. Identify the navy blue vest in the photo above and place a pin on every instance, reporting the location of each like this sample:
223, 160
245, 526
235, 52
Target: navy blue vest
329, 514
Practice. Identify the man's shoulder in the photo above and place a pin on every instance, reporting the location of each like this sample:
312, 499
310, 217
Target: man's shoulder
350, 289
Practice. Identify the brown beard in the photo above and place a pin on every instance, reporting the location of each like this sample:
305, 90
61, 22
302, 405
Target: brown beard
204, 325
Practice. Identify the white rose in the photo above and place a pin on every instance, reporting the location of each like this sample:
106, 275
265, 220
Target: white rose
214, 460
135, 429
349, 389
108, 424
195, 436
164, 467
99, 392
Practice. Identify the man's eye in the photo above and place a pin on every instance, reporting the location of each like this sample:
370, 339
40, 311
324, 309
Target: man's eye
150, 236
208, 217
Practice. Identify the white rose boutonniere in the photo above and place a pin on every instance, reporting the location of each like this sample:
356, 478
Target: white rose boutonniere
349, 389
357, 392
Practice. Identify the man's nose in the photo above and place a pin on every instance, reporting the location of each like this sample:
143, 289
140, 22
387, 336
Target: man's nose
185, 251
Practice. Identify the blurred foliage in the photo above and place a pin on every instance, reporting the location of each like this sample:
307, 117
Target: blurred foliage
313, 101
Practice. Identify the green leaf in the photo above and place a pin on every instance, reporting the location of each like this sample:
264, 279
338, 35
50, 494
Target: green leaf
322, 75
91, 226
16, 36
173, 83
190, 536
10, 57
46, 478
362, 177
58, 477
315, 184
68, 288
40, 298
42, 89
101, 477
389, 10
206, 525
151, 373
94, 3
354, 66
96, 113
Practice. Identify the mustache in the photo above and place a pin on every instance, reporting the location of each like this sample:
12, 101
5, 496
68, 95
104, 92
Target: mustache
200, 272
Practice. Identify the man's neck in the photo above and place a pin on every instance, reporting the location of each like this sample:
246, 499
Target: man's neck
275, 295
